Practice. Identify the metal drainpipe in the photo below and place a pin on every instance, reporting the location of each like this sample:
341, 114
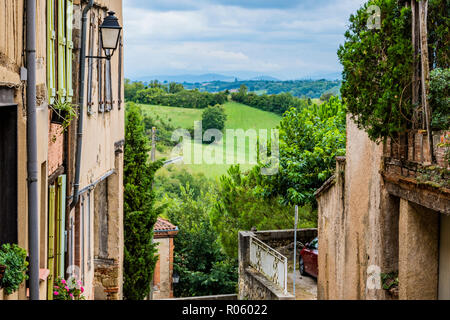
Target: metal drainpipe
32, 162
76, 185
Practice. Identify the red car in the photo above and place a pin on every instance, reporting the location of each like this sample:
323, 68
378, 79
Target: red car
308, 259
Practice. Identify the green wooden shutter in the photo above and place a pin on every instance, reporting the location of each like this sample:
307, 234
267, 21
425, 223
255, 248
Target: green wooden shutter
69, 49
61, 50
51, 37
51, 242
62, 223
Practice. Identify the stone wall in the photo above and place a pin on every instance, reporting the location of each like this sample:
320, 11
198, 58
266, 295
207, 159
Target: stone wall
252, 284
283, 238
209, 298
358, 220
107, 280
375, 218
162, 282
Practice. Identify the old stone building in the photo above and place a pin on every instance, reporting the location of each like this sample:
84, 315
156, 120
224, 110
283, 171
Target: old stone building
80, 194
386, 212
164, 232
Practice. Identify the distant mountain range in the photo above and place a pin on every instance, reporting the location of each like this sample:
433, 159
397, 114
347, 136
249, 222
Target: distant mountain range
208, 77
189, 78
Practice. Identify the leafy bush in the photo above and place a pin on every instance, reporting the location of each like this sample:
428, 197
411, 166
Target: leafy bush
241, 206
67, 291
440, 98
310, 140
14, 258
378, 65
203, 268
276, 103
172, 94
378, 69
213, 118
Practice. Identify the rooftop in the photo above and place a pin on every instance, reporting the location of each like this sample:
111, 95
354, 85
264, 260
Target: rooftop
164, 229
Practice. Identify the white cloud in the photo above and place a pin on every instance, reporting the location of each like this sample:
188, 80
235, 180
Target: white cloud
207, 36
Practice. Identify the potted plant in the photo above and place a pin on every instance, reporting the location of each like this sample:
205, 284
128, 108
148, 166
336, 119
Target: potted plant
63, 112
13, 258
68, 290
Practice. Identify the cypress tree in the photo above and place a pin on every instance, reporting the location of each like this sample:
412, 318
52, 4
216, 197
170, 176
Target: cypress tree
139, 213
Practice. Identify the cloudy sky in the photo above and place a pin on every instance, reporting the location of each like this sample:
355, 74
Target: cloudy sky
287, 39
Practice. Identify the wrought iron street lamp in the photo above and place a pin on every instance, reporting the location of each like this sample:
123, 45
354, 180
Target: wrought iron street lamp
175, 278
110, 35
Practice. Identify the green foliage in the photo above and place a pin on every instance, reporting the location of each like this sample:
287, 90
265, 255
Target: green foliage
164, 130
62, 290
389, 280
240, 206
213, 118
326, 96
131, 89
14, 258
172, 94
297, 88
378, 65
169, 179
65, 110
439, 97
139, 213
276, 103
310, 140
438, 33
199, 260
378, 69
446, 145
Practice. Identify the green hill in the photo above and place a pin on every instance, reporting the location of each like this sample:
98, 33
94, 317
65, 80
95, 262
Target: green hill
239, 116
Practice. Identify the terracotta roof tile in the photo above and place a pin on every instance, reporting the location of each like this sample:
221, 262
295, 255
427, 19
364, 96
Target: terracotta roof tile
164, 225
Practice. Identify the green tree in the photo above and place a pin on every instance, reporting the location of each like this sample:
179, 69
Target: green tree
310, 140
131, 89
213, 118
175, 87
440, 98
203, 268
139, 213
242, 206
378, 65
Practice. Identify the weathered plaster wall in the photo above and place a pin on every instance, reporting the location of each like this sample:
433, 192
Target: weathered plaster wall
331, 236
162, 283
11, 49
358, 223
102, 152
419, 252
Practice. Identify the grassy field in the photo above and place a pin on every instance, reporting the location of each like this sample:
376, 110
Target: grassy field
239, 116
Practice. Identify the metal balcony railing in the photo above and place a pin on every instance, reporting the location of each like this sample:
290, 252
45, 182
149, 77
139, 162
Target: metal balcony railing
269, 262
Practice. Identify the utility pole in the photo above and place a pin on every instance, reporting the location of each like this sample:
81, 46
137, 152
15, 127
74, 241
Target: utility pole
295, 245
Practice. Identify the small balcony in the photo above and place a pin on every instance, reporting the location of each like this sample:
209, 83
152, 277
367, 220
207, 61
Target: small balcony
411, 171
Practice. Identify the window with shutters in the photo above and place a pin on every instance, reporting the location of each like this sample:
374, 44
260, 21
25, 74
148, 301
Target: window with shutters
59, 50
